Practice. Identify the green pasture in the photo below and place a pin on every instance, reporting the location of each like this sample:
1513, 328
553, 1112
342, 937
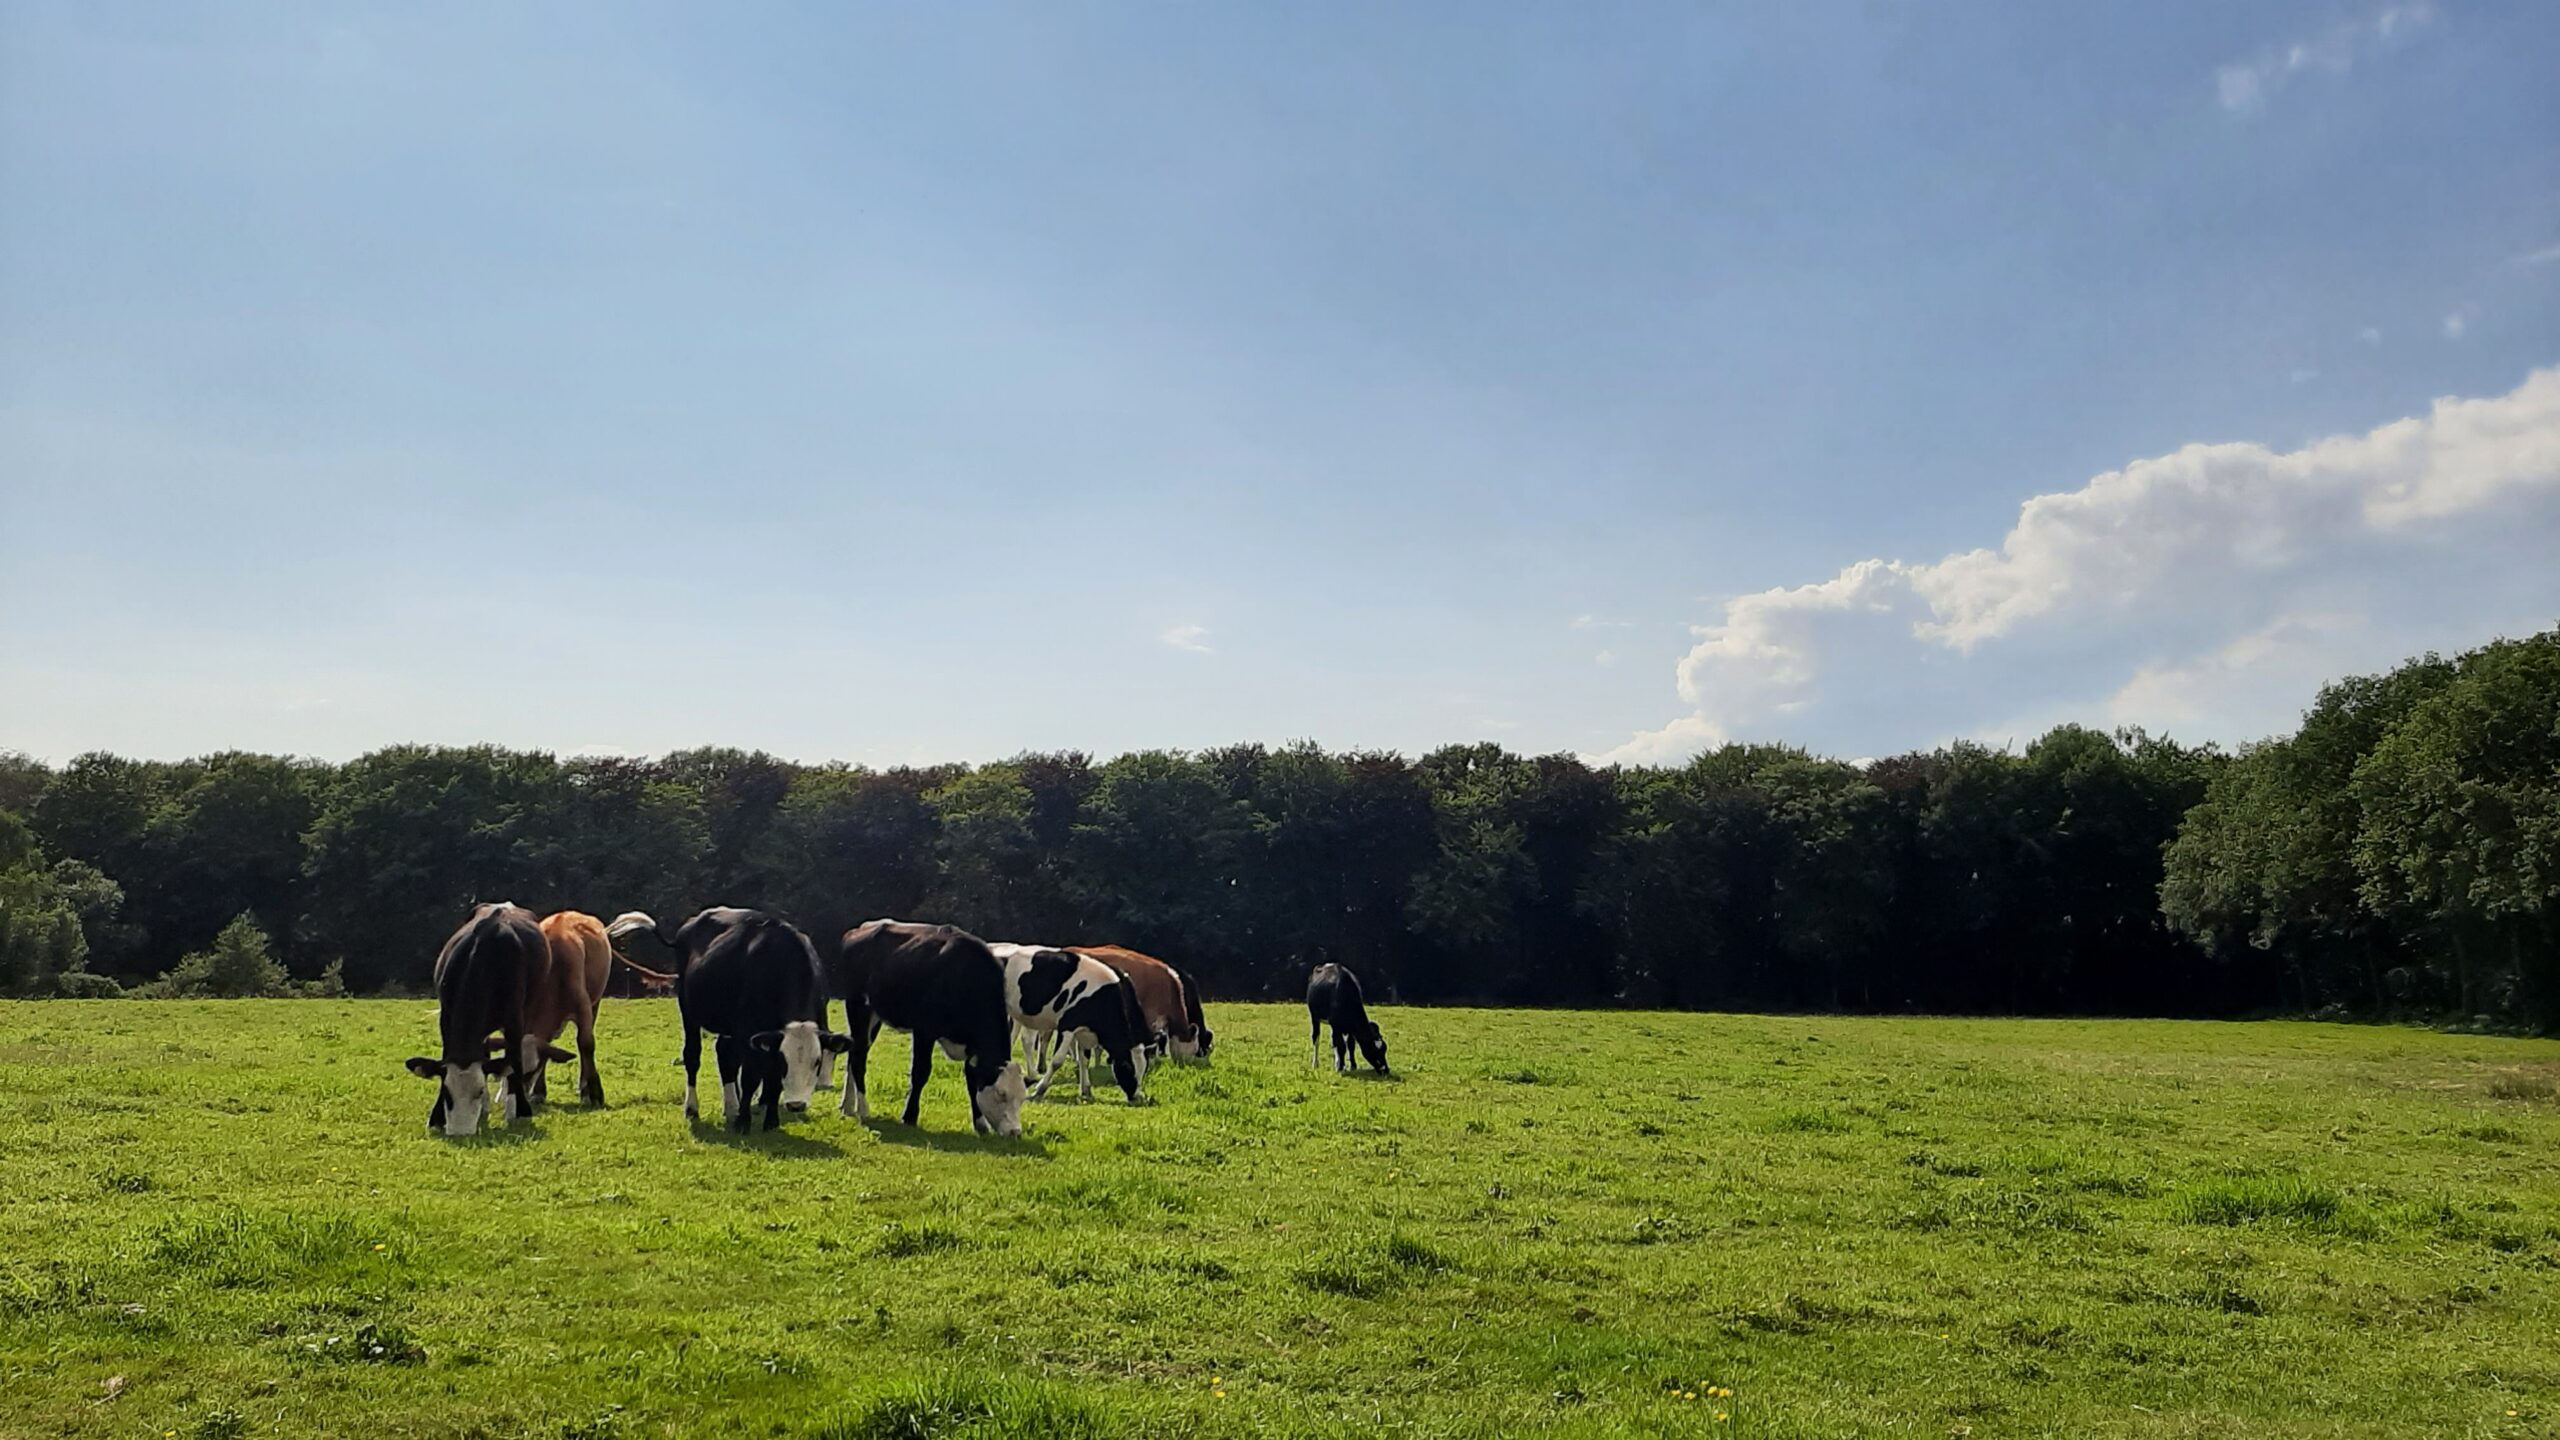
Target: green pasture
228, 1219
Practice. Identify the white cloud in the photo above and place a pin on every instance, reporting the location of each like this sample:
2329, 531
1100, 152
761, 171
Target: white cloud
2544, 256
2454, 325
2244, 89
1194, 638
1587, 621
2369, 335
2186, 589
1605, 657
2303, 375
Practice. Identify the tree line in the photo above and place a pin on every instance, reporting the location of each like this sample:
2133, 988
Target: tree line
2398, 855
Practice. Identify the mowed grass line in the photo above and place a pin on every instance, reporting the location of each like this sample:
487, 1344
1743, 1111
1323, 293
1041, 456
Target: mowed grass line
226, 1219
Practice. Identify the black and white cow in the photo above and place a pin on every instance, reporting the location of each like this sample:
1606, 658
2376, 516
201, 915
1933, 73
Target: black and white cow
481, 976
1333, 998
943, 986
754, 981
1079, 1004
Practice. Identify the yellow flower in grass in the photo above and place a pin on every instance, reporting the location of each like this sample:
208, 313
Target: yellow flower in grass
1721, 1417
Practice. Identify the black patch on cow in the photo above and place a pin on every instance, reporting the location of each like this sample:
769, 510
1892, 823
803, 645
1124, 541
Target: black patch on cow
1042, 979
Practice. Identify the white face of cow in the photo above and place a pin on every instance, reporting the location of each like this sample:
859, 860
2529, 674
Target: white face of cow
463, 1094
1184, 1049
803, 1053
999, 1104
466, 1099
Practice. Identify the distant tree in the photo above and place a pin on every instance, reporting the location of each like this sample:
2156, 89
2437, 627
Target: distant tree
40, 935
2460, 807
238, 966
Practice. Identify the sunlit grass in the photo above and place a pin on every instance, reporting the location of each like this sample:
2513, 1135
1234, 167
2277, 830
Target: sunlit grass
228, 1220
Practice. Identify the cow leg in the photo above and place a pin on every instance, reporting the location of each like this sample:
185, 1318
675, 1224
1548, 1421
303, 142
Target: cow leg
692, 1067
1315, 1039
536, 1070
519, 1089
590, 1084
1084, 1067
769, 1067
1038, 1068
861, 1027
733, 1080
916, 1073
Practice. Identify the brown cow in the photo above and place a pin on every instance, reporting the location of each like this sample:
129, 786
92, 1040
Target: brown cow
567, 992
1160, 994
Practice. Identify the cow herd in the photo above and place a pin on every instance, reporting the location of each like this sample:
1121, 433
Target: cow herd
507, 985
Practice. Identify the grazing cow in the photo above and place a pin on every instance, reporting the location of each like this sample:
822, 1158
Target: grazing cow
753, 980
1191, 999
943, 986
1333, 998
1167, 1015
578, 960
1080, 1003
481, 975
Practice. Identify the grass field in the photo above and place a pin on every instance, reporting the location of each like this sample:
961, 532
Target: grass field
227, 1219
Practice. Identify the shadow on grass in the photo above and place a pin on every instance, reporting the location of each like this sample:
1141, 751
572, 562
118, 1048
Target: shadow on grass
963, 1142
523, 1132
779, 1143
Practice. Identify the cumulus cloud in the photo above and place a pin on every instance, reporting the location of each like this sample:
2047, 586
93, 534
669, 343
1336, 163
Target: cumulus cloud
2207, 590
1194, 638
2245, 88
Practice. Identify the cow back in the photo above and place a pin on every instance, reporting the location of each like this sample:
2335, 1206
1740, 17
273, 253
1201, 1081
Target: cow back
746, 972
1152, 984
481, 975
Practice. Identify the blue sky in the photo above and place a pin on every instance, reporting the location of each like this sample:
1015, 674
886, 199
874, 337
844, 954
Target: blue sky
924, 383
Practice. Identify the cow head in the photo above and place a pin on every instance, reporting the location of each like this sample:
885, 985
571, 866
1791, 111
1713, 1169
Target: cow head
1373, 1046
803, 1048
462, 1092
995, 1104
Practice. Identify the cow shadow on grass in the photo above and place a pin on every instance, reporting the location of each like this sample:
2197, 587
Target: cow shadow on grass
783, 1144
522, 1132
963, 1142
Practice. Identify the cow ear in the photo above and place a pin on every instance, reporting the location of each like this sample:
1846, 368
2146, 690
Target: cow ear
556, 1055
424, 1068
836, 1044
768, 1040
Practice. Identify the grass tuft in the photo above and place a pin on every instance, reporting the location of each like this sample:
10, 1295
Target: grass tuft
956, 1407
903, 1242
2247, 1199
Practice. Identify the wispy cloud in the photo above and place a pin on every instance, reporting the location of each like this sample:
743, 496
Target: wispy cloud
2212, 586
1605, 658
1194, 638
2303, 375
2369, 335
2454, 325
1589, 621
2245, 88
2548, 254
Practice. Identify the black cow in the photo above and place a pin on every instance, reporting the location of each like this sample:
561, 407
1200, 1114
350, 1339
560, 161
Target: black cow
481, 975
1191, 1008
753, 980
1333, 997
943, 986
